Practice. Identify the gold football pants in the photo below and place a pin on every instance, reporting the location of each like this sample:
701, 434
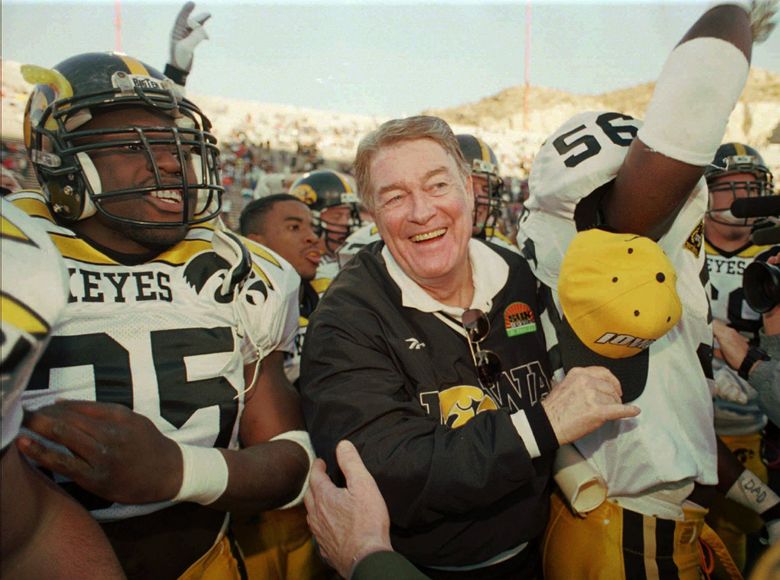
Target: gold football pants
611, 543
278, 545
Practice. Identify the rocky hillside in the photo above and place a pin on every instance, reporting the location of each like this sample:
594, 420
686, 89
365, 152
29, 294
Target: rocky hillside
755, 120
498, 119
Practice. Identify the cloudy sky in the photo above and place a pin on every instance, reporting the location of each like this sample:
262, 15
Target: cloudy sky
377, 58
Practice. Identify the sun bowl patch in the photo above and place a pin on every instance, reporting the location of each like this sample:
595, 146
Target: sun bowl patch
519, 319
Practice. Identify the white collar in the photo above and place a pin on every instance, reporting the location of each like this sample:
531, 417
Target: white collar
489, 271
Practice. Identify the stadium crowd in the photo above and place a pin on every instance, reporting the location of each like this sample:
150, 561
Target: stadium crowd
389, 351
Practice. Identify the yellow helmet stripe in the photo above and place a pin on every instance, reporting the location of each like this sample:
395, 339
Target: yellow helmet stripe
134, 66
740, 149
344, 182
484, 151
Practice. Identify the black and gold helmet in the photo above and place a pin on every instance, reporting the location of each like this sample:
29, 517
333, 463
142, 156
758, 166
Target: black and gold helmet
68, 96
732, 159
482, 162
327, 189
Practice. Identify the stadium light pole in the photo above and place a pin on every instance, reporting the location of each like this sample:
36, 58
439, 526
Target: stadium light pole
527, 72
118, 25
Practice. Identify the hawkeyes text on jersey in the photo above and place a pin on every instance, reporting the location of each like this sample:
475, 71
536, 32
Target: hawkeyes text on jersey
160, 337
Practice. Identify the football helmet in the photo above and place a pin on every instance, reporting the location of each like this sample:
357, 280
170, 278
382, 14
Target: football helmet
323, 190
482, 162
66, 97
730, 159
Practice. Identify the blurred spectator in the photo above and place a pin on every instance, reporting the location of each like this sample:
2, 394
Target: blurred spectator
9, 182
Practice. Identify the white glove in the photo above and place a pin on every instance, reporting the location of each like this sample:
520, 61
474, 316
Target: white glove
729, 386
187, 33
761, 13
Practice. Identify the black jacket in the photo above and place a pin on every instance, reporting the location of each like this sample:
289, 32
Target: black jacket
459, 483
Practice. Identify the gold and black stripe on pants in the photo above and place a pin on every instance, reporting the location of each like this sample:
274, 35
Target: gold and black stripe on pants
612, 543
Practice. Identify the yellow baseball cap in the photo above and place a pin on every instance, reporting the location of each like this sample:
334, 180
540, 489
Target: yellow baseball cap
618, 296
618, 292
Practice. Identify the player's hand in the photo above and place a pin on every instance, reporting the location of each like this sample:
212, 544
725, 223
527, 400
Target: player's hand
187, 33
762, 14
583, 401
731, 345
114, 452
727, 385
349, 523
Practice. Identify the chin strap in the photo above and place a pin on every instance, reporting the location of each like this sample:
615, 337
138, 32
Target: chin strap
230, 248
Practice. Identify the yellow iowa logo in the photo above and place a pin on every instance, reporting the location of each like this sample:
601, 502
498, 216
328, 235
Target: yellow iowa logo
460, 404
305, 193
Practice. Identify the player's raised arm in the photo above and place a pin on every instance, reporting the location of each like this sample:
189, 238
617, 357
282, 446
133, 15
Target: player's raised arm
188, 31
686, 119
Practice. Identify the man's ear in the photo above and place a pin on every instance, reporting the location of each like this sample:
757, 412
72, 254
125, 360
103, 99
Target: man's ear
259, 238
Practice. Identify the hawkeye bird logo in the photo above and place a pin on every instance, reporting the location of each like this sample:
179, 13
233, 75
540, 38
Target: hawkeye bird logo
460, 404
210, 269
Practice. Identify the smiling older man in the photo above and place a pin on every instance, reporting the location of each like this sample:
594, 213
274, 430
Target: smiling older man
428, 353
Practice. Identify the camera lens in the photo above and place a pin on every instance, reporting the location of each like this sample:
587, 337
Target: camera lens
761, 284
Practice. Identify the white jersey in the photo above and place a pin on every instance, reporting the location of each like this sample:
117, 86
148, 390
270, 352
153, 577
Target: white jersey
356, 241
672, 441
327, 270
32, 297
161, 337
728, 304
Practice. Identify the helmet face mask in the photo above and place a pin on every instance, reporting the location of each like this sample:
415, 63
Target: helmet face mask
65, 139
336, 231
721, 212
488, 200
334, 205
728, 177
